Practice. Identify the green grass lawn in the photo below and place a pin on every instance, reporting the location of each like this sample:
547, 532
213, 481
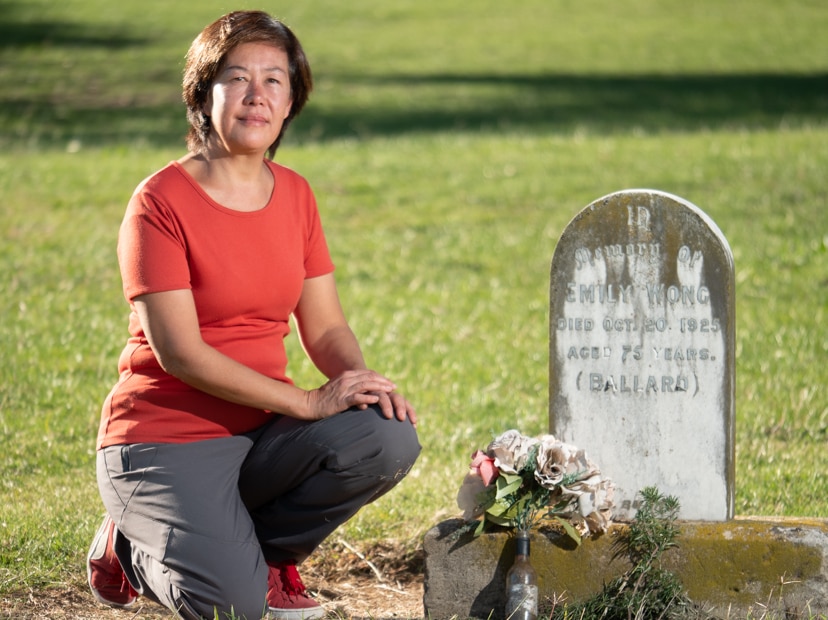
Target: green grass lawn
449, 144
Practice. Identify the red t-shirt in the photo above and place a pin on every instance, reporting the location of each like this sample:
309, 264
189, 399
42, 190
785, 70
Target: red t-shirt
245, 270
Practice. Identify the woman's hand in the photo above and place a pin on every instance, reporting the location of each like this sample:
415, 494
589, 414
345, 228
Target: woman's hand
331, 345
395, 405
359, 388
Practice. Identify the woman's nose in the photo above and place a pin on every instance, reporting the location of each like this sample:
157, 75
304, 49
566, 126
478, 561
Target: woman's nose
254, 93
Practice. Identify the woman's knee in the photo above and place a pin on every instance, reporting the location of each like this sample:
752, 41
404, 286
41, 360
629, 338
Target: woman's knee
398, 443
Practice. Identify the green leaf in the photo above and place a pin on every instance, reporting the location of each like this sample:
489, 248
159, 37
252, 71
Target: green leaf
500, 521
508, 484
570, 530
499, 507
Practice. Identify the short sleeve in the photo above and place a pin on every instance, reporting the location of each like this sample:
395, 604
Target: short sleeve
152, 251
317, 257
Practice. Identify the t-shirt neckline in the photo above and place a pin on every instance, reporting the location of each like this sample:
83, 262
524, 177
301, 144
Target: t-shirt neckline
220, 207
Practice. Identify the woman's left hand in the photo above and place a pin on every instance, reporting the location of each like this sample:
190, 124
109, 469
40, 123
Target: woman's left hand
394, 405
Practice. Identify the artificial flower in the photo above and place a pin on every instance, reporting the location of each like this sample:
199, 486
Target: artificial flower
469, 497
519, 480
483, 466
511, 451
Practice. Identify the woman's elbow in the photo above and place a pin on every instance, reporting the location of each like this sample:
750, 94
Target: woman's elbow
176, 362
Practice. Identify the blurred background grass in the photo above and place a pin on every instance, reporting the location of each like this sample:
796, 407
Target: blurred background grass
448, 146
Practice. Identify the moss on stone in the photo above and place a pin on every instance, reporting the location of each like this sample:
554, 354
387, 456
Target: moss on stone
735, 565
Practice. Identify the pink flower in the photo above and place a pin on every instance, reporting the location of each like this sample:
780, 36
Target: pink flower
484, 466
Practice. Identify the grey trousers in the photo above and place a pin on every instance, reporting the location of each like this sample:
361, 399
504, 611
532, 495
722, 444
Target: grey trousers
196, 522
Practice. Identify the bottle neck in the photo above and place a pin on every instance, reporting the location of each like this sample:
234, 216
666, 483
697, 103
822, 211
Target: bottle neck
522, 545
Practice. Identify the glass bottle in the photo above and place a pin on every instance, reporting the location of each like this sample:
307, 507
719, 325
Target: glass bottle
521, 583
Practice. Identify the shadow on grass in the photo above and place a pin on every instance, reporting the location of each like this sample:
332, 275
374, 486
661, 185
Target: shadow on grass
16, 32
599, 103
51, 107
443, 103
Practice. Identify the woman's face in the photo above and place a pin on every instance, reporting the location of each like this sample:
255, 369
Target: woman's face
249, 100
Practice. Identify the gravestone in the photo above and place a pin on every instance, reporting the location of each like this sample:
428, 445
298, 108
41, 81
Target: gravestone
641, 371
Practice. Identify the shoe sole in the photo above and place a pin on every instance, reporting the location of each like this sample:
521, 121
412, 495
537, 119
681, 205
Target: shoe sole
309, 613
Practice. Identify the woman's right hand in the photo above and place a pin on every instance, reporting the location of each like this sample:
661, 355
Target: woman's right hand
352, 388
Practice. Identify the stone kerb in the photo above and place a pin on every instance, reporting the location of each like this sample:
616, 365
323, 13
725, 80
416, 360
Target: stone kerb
641, 370
744, 567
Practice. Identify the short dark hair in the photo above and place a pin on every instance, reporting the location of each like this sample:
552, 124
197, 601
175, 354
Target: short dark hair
209, 51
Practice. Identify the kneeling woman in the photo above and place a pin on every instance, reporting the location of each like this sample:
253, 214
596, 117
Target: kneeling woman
218, 474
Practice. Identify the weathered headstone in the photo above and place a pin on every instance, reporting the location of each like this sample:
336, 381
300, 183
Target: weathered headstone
641, 369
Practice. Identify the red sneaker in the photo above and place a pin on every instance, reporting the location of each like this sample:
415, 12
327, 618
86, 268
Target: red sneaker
286, 594
106, 578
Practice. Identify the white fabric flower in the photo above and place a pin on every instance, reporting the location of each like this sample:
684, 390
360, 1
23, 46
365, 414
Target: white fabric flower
557, 459
469, 495
511, 451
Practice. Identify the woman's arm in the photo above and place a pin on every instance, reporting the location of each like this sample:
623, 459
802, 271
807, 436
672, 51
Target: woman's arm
323, 330
331, 344
170, 323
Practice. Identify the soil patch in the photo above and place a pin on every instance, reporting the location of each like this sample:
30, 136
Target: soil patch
383, 582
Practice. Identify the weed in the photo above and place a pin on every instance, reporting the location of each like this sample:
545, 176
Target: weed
646, 591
